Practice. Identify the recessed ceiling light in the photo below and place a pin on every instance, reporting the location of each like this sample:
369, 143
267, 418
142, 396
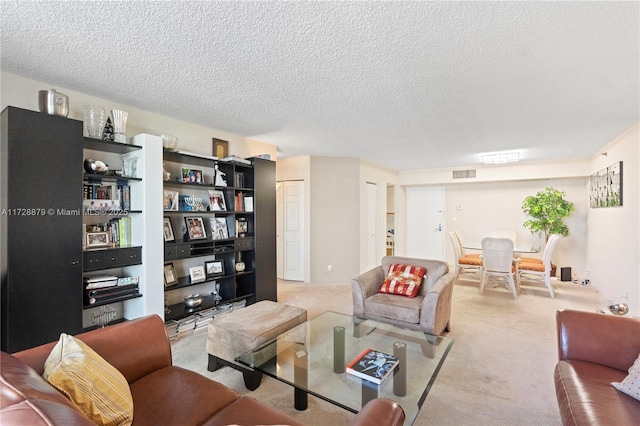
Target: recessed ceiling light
500, 157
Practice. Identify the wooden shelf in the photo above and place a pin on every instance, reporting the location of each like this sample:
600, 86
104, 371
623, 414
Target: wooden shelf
180, 310
108, 146
114, 300
186, 282
93, 177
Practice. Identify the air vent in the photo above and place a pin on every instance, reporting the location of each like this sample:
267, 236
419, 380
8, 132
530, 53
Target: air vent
464, 174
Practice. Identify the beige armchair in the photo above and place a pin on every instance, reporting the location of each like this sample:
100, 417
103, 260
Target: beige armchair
429, 311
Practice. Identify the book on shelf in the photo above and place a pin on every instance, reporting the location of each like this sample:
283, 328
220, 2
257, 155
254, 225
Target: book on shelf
100, 281
109, 293
248, 204
373, 366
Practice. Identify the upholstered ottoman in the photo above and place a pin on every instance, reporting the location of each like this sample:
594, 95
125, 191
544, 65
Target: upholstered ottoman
240, 331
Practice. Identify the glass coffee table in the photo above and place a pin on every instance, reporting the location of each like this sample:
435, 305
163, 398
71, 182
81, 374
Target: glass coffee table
312, 358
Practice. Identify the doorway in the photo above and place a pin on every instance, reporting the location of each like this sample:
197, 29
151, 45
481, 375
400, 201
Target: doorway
372, 226
425, 223
290, 243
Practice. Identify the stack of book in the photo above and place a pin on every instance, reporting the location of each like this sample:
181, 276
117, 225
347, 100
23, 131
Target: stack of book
243, 203
373, 366
111, 196
106, 288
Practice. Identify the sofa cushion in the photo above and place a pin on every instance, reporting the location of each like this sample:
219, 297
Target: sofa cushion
28, 399
631, 384
405, 309
246, 411
176, 396
586, 397
403, 280
98, 389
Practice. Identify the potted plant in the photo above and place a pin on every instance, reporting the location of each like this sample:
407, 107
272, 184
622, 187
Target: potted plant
547, 209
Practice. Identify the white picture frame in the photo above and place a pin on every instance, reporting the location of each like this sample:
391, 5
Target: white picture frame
196, 274
170, 200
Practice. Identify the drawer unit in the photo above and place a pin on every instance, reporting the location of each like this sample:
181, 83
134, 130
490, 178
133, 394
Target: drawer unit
93, 260
244, 244
112, 258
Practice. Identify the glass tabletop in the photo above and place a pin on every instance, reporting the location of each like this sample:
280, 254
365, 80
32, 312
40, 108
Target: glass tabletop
309, 358
517, 249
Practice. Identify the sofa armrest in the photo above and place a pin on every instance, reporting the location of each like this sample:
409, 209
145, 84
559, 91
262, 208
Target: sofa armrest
135, 348
379, 412
599, 338
364, 286
436, 306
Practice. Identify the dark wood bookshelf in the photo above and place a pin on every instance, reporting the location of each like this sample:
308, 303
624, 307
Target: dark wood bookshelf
180, 310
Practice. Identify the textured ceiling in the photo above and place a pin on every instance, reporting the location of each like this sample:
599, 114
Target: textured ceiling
408, 85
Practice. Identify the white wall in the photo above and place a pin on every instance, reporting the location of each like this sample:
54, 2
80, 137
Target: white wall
23, 93
613, 235
335, 215
489, 206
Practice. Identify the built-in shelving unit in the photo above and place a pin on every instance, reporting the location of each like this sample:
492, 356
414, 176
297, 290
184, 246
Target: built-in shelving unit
222, 204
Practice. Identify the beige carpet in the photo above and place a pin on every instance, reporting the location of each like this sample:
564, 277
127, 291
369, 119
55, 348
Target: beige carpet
498, 372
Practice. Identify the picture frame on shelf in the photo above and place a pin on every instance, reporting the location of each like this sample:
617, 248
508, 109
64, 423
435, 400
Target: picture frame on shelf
220, 148
195, 228
97, 239
192, 175
170, 200
216, 201
214, 268
168, 230
219, 229
170, 277
196, 274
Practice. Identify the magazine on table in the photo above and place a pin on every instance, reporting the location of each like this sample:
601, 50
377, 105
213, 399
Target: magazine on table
373, 366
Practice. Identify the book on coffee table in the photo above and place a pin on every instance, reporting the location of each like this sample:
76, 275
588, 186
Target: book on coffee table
373, 366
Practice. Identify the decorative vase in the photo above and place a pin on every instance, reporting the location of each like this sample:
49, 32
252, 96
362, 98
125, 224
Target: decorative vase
94, 119
119, 125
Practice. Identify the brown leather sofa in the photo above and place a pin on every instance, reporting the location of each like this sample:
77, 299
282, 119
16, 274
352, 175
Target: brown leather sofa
163, 394
594, 350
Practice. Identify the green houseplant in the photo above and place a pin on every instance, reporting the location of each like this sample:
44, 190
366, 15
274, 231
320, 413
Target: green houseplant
547, 209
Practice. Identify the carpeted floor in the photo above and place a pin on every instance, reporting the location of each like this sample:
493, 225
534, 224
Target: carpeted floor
498, 372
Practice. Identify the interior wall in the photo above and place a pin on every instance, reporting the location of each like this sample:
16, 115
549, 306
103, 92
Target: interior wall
335, 216
299, 168
613, 239
23, 93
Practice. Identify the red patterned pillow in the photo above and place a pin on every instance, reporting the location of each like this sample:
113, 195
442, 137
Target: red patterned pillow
404, 280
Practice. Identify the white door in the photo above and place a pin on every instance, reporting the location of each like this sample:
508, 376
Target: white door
372, 226
290, 239
425, 223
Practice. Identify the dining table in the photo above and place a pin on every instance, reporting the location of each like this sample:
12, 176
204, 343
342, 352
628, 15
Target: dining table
517, 249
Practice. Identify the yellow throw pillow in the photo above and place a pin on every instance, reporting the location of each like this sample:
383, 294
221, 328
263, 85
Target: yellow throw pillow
98, 389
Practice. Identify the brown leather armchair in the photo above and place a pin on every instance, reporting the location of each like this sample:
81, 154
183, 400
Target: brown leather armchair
593, 351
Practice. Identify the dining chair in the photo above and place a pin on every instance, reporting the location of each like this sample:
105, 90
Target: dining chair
498, 262
532, 269
465, 264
